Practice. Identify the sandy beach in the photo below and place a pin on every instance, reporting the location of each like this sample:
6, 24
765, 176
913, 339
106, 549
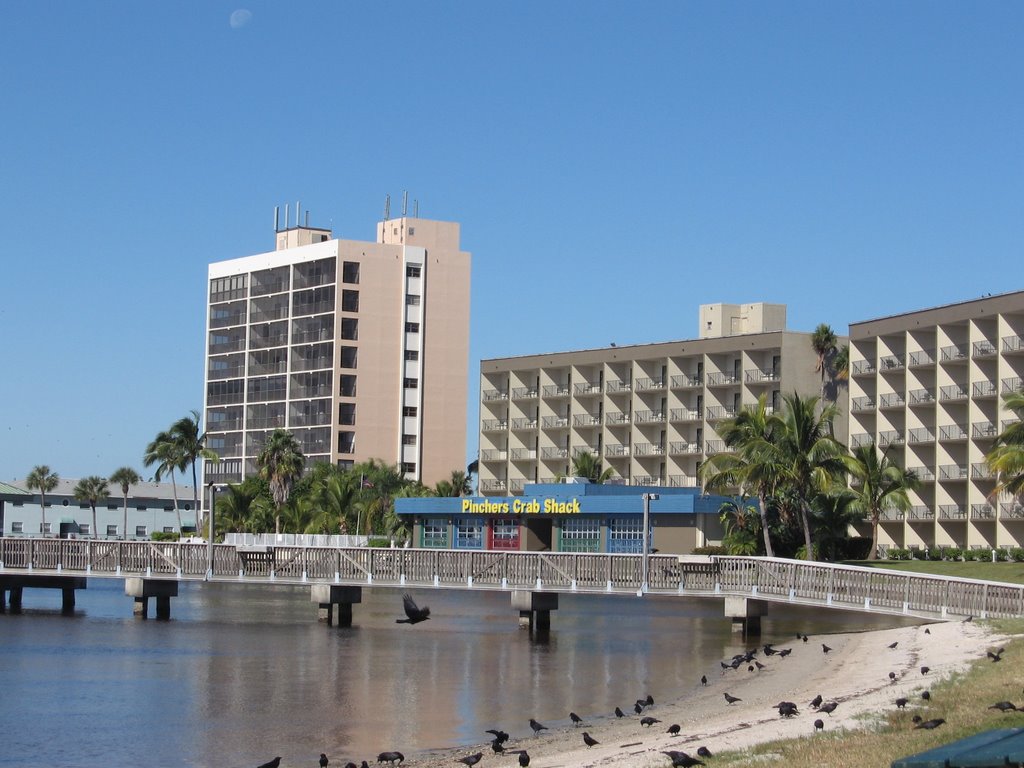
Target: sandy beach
855, 673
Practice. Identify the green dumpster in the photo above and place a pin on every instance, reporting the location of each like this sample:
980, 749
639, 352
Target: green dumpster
992, 749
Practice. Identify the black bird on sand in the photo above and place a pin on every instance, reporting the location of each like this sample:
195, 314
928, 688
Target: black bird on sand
829, 708
323, 760
638, 708
524, 758
731, 699
576, 719
471, 760
414, 614
892, 678
619, 712
364, 764
498, 735
703, 679
997, 656
674, 729
785, 652
819, 725
496, 747
825, 648
589, 740
271, 763
927, 696
930, 724
804, 638
704, 752
968, 620
916, 719
927, 631
768, 650
649, 721
350, 764
681, 759
391, 758
641, 703
787, 709
816, 701
1004, 706
649, 701
925, 670
537, 727
901, 703
759, 666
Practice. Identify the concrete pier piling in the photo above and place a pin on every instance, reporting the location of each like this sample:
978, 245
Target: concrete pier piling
534, 608
16, 584
326, 596
143, 589
746, 614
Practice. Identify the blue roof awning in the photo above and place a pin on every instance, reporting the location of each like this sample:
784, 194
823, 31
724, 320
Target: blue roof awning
991, 749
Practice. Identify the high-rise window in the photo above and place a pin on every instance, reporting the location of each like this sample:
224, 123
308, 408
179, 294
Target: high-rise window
347, 414
412, 354
350, 272
350, 328
412, 383
350, 301
346, 442
412, 270
348, 357
412, 327
347, 386
412, 299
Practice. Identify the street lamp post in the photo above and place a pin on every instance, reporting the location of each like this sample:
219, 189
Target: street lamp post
209, 533
648, 498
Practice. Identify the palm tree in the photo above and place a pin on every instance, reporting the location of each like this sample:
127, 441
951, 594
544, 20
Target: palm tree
457, 485
823, 342
1006, 458
126, 477
43, 480
332, 504
191, 445
812, 458
882, 485
165, 453
841, 363
280, 463
588, 465
90, 490
755, 465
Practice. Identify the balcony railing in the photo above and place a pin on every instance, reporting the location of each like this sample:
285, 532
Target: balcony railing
952, 432
757, 376
648, 449
953, 472
616, 450
983, 512
981, 471
682, 481
494, 394
954, 352
891, 400
861, 438
892, 362
922, 357
859, 404
648, 384
618, 385
524, 423
492, 454
683, 381
647, 480
494, 425
587, 388
1011, 510
920, 512
554, 453
924, 474
681, 447
555, 422
555, 390
952, 512
617, 418
983, 348
983, 430
524, 393
523, 454
920, 435
890, 515
921, 397
717, 446
890, 437
493, 485
984, 389
952, 392
517, 485
586, 420
1011, 384
1013, 344
648, 417
720, 379
591, 450
684, 414
720, 412
863, 367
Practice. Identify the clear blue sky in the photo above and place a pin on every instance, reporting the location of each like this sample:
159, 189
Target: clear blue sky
613, 166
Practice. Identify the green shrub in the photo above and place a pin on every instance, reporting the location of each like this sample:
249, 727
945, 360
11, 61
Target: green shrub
935, 553
970, 555
920, 554
1003, 555
952, 553
710, 550
895, 553
164, 536
1017, 554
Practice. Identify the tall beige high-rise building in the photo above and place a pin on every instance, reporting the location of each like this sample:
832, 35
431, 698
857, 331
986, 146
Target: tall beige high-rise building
360, 349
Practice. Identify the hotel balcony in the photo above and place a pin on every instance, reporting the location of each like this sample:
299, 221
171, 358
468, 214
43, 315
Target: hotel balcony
718, 446
891, 400
983, 348
586, 388
983, 430
955, 353
647, 480
984, 389
493, 485
492, 454
648, 449
649, 385
920, 436
862, 367
983, 512
1013, 345
616, 451
613, 419
861, 438
684, 414
981, 471
719, 379
952, 432
520, 425
682, 481
494, 425
861, 404
683, 381
890, 516
890, 437
591, 450
920, 512
586, 420
952, 393
1011, 510
523, 454
554, 453
921, 397
716, 412
648, 417
683, 448
952, 512
524, 393
1011, 384
892, 363
491, 395
922, 357
618, 386
924, 474
517, 485
555, 422
757, 376
555, 390
953, 472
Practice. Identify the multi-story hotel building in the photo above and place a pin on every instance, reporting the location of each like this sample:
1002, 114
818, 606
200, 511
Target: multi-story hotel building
360, 349
926, 387
649, 411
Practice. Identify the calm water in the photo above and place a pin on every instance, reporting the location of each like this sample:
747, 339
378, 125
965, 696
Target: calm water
241, 674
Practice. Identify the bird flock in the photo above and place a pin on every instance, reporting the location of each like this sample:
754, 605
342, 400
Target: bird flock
500, 742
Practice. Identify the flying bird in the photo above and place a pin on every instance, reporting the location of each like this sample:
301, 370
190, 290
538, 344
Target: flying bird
731, 699
271, 763
819, 725
413, 612
537, 727
391, 758
674, 728
471, 760
649, 721
498, 735
589, 740
997, 656
930, 724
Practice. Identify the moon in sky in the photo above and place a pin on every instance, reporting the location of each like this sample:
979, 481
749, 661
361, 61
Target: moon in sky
240, 18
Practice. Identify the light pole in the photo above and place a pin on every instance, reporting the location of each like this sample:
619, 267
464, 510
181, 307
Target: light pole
648, 498
209, 537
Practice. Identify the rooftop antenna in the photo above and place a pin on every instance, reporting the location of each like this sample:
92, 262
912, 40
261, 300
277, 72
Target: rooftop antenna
297, 213
286, 216
415, 209
387, 207
277, 217
405, 202
307, 219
